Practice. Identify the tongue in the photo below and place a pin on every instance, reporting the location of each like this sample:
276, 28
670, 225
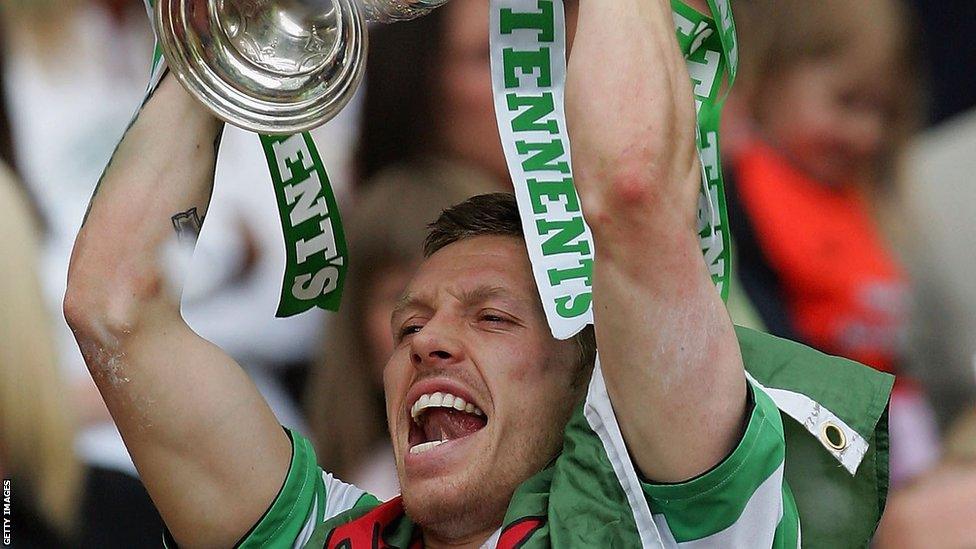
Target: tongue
445, 424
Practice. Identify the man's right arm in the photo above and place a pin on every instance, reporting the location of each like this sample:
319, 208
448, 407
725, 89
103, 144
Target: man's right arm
206, 444
667, 346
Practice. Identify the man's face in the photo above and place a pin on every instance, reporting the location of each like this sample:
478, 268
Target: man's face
470, 325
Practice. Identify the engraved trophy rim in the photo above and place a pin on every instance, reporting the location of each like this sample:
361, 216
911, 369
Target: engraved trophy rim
244, 91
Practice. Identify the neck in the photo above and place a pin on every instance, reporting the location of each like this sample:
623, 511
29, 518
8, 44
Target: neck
432, 540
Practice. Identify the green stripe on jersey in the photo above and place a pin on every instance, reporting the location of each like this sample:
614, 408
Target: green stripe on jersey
303, 488
714, 501
788, 530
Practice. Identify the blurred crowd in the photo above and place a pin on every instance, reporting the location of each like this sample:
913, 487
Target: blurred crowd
848, 145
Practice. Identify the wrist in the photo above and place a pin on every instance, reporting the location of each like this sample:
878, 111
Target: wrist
190, 112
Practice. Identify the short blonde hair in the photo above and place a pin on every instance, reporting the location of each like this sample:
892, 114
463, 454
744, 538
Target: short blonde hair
776, 35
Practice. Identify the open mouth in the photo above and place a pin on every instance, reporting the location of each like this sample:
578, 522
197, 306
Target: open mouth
439, 418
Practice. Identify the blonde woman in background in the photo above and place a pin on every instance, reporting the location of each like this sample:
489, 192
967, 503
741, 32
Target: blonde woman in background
35, 428
344, 395
56, 500
74, 72
77, 71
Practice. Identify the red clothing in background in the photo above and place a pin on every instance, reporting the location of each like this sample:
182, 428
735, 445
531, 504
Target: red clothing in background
843, 291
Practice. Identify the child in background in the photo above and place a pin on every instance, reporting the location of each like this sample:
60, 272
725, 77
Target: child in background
826, 100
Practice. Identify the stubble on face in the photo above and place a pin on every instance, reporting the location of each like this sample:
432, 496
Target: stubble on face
527, 374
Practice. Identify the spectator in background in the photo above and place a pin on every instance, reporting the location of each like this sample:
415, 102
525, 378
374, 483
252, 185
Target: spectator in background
428, 93
344, 396
74, 73
57, 500
939, 198
827, 97
35, 431
77, 71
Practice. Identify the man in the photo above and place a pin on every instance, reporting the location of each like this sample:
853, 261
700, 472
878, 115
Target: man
493, 445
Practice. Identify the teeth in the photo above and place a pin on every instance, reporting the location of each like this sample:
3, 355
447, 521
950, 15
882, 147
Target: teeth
443, 400
421, 448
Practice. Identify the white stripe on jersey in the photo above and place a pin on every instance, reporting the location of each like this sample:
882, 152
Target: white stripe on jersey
755, 527
339, 498
309, 527
599, 414
814, 416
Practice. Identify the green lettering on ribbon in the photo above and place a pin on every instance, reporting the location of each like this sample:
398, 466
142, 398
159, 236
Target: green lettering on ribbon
315, 244
710, 50
526, 62
543, 21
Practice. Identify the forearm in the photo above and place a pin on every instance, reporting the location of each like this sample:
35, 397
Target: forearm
667, 346
164, 167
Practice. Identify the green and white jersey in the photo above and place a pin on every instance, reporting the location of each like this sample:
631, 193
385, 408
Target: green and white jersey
591, 495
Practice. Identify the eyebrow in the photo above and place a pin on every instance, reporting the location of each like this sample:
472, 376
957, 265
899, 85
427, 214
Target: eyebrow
484, 293
405, 302
479, 294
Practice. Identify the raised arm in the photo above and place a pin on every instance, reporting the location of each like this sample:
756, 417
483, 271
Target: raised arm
667, 347
206, 445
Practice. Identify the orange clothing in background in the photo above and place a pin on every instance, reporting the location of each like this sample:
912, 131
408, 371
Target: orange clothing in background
843, 291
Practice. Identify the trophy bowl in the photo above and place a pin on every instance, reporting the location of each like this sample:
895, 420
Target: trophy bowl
273, 66
269, 66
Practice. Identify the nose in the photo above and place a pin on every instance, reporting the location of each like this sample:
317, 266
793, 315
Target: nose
436, 345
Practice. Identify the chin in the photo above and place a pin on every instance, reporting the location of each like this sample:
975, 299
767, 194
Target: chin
454, 507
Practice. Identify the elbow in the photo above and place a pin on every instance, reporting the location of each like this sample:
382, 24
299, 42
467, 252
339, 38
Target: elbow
625, 194
101, 307
645, 192
88, 322
633, 187
87, 313
80, 310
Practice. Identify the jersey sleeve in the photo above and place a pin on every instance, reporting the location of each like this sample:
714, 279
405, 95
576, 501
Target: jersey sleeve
594, 495
308, 497
742, 502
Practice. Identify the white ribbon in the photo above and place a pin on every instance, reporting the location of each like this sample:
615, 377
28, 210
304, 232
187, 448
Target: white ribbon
528, 66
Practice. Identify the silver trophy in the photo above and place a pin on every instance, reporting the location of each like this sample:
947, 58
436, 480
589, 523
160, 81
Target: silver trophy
274, 66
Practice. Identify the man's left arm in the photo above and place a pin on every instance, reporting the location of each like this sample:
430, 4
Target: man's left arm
668, 350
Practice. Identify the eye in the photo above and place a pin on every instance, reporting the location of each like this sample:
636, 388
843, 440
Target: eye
408, 330
494, 317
